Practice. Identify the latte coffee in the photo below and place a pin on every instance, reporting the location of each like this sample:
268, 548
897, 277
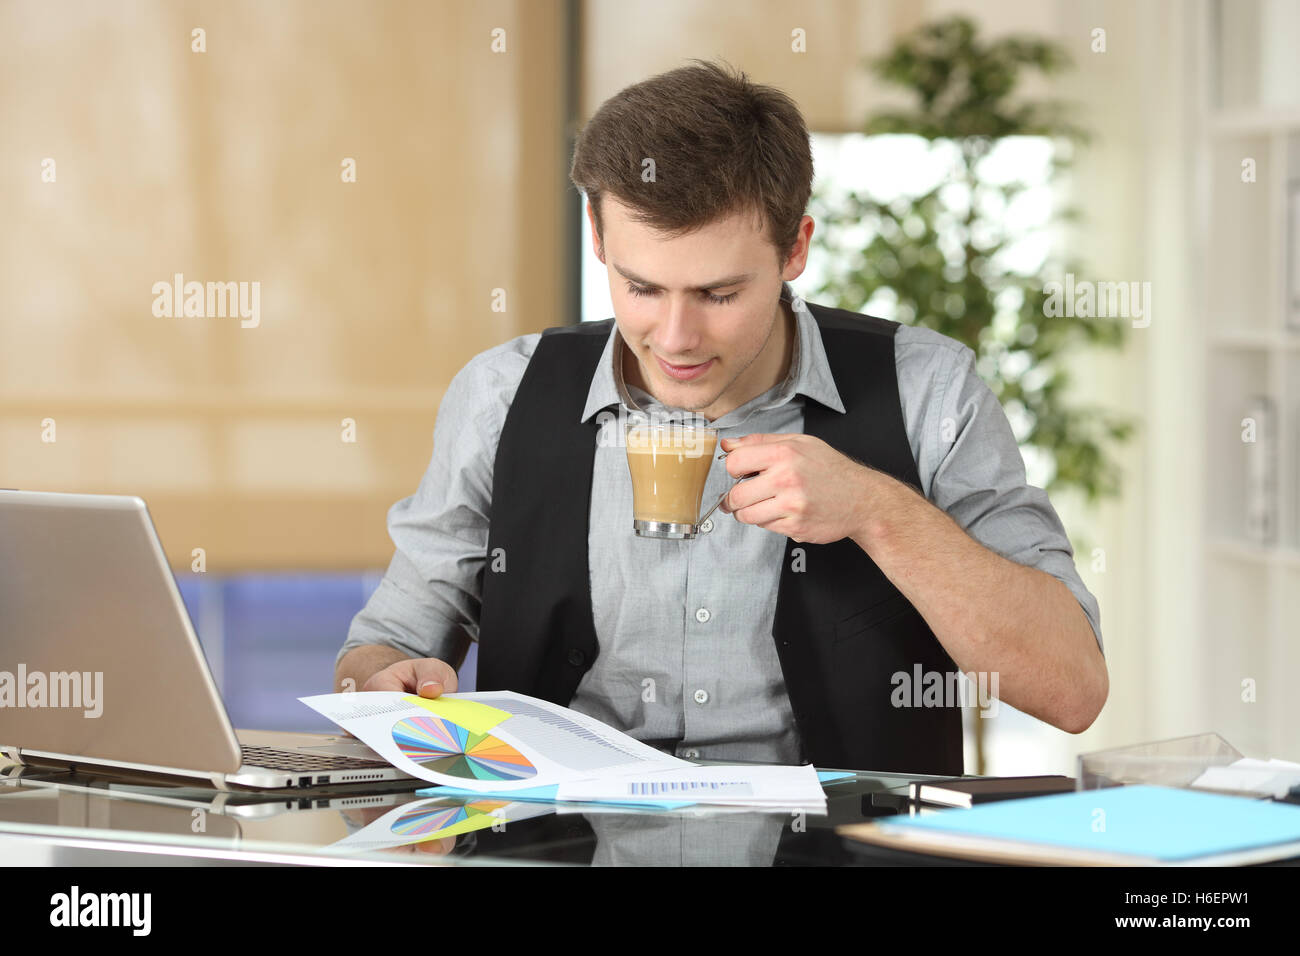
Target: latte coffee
669, 464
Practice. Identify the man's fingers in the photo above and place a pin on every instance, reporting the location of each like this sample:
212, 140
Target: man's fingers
744, 494
426, 676
385, 679
756, 438
748, 459
433, 677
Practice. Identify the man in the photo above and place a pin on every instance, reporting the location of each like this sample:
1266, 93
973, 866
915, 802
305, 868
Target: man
887, 537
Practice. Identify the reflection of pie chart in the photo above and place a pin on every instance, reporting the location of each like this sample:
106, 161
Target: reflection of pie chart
441, 745
424, 820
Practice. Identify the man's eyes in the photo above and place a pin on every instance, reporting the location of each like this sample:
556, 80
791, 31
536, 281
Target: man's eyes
715, 299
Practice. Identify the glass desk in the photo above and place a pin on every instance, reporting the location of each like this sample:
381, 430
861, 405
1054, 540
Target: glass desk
63, 818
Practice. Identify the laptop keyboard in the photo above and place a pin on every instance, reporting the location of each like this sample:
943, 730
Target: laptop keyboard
274, 759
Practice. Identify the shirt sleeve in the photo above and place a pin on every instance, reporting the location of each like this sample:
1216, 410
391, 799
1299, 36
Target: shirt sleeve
969, 461
429, 598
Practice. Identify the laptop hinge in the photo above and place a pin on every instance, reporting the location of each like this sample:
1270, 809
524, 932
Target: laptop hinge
13, 753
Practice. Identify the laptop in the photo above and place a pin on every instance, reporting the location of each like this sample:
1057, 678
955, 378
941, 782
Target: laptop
101, 670
116, 792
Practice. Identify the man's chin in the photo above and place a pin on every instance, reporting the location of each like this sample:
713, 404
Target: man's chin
680, 395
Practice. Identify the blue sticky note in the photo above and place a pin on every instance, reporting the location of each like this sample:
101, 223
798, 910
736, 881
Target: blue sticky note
528, 793
831, 776
1161, 823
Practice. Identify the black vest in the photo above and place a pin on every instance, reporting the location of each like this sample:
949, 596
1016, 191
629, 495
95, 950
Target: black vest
850, 644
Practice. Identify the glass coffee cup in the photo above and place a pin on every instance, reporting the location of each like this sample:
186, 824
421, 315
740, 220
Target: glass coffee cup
669, 463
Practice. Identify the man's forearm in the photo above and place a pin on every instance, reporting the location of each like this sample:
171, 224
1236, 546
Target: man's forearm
360, 663
991, 614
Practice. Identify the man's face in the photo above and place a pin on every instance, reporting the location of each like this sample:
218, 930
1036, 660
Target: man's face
706, 303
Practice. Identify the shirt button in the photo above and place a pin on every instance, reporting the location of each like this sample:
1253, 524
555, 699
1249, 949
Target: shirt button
701, 696
702, 615
691, 754
707, 526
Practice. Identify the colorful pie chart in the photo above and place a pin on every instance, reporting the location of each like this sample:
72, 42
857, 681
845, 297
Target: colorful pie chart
426, 820
444, 746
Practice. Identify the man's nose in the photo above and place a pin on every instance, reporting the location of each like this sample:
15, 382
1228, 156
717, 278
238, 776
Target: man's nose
679, 333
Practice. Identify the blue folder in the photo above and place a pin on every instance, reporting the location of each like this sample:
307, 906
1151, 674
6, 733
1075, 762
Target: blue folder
1160, 823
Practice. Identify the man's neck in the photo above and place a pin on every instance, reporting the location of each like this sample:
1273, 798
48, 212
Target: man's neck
788, 328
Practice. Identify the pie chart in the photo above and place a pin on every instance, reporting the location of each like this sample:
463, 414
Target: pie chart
444, 746
425, 820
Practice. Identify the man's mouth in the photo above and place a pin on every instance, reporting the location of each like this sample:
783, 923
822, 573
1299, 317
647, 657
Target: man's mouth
684, 373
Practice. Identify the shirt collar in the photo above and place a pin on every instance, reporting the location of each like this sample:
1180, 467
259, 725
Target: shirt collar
809, 375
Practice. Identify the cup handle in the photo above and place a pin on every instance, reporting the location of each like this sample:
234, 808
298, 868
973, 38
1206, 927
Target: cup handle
706, 514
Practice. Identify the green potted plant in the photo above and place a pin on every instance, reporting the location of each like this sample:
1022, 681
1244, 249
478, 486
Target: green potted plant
937, 255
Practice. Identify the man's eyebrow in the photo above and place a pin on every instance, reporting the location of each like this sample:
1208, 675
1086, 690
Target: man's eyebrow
720, 283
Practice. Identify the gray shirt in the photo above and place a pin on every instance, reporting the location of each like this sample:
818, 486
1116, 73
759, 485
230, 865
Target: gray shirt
684, 628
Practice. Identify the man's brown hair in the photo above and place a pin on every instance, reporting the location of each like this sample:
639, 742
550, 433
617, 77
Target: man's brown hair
720, 144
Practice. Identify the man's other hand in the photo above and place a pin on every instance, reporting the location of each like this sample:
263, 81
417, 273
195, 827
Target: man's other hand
425, 676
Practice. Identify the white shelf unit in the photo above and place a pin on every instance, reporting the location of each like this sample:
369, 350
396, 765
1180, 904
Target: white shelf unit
1251, 595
